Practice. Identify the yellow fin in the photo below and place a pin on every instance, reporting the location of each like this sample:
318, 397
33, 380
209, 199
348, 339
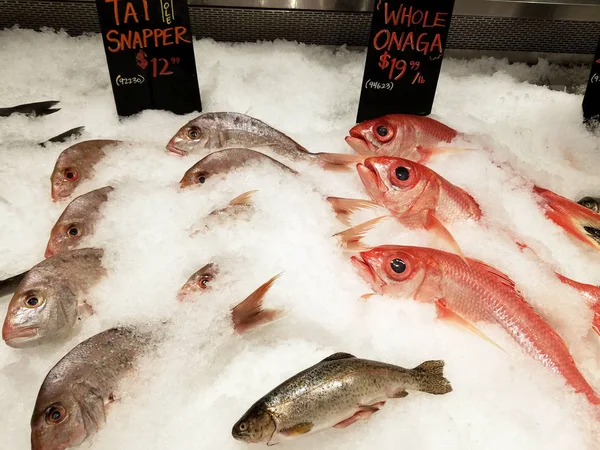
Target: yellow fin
297, 430
243, 199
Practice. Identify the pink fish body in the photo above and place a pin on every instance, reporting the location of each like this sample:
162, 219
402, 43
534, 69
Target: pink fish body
401, 135
405, 188
474, 291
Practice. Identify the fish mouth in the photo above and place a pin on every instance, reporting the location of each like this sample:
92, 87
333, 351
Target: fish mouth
17, 337
184, 183
367, 273
49, 252
359, 145
174, 149
369, 176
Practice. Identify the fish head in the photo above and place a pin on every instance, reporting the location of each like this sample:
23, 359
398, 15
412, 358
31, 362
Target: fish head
198, 282
198, 135
256, 426
590, 203
74, 165
40, 310
387, 135
391, 269
391, 180
65, 235
213, 164
58, 424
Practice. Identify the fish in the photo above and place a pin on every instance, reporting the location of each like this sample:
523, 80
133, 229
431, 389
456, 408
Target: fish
468, 292
72, 403
9, 285
198, 282
578, 221
52, 297
334, 393
225, 161
249, 313
590, 293
63, 137
415, 195
240, 208
403, 135
31, 109
76, 164
592, 203
219, 130
78, 220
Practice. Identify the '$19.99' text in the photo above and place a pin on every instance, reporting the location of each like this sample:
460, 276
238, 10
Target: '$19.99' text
398, 67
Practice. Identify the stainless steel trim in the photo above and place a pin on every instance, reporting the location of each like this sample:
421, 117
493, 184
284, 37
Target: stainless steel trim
578, 10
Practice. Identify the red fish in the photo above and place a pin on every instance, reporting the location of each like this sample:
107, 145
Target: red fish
580, 222
414, 194
402, 135
466, 293
590, 293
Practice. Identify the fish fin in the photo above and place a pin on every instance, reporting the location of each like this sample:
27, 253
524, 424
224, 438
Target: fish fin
297, 430
35, 109
9, 285
340, 355
345, 207
85, 310
243, 199
249, 313
362, 414
427, 152
433, 225
367, 296
581, 223
596, 319
352, 237
73, 132
401, 393
338, 161
499, 276
445, 313
434, 381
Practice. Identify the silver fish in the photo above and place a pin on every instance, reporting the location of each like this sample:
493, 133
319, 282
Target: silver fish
51, 297
335, 392
70, 405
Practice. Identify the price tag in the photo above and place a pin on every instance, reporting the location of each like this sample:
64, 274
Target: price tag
591, 99
404, 57
150, 55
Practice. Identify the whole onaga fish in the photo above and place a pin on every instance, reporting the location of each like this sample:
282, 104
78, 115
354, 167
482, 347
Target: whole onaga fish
77, 221
414, 194
580, 222
219, 130
403, 135
76, 164
467, 292
71, 403
336, 392
51, 297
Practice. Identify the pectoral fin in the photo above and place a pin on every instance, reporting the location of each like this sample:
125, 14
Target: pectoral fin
345, 207
352, 237
446, 314
297, 430
428, 152
433, 225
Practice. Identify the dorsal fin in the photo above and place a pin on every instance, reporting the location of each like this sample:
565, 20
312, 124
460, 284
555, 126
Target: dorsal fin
340, 355
498, 276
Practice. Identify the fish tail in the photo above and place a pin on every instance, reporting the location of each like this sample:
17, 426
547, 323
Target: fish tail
73, 132
250, 313
432, 377
345, 207
352, 237
35, 109
9, 285
338, 161
243, 199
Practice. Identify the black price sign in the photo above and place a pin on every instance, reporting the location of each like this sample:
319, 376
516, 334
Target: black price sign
150, 55
591, 100
404, 57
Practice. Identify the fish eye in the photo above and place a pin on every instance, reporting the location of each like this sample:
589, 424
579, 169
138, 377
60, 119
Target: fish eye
402, 173
382, 131
204, 281
243, 426
33, 301
193, 133
71, 174
398, 265
73, 231
201, 179
55, 414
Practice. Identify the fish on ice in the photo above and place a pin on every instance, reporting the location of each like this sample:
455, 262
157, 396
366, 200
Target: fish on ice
198, 282
403, 135
579, 222
469, 292
77, 221
219, 130
52, 297
240, 208
334, 393
76, 164
72, 403
225, 161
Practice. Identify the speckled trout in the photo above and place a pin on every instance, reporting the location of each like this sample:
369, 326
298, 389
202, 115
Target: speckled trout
335, 392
